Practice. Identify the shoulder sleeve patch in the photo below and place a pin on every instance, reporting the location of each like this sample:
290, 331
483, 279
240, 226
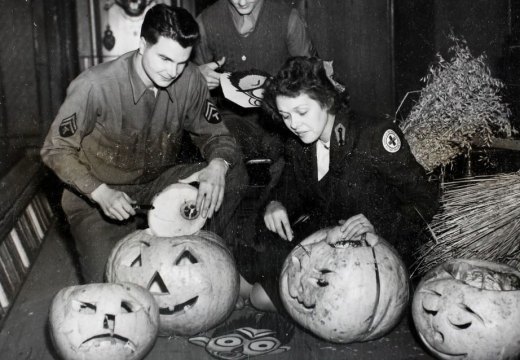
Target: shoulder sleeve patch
211, 113
68, 126
391, 141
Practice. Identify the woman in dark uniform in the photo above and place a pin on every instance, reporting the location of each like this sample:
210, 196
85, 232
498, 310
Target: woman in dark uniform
358, 172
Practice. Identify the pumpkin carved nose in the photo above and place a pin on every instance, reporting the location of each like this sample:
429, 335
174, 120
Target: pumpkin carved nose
157, 285
109, 322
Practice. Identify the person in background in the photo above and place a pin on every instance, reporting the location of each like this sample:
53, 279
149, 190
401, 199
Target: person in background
338, 171
116, 137
241, 35
121, 26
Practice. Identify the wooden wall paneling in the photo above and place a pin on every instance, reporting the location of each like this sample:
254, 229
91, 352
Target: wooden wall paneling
415, 49
62, 49
483, 23
358, 37
42, 66
18, 70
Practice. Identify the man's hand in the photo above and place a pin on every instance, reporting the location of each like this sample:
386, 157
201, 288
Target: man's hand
277, 220
212, 183
115, 204
210, 74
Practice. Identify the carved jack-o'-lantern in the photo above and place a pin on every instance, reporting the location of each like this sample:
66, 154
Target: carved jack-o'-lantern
469, 309
103, 321
349, 291
193, 277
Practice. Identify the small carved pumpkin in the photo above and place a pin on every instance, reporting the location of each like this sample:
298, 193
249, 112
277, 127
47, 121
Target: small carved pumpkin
469, 309
347, 292
103, 321
192, 277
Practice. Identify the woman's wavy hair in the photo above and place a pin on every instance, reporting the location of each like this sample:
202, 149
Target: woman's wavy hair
303, 75
171, 22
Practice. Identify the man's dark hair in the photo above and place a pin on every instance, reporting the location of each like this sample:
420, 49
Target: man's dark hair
303, 75
171, 22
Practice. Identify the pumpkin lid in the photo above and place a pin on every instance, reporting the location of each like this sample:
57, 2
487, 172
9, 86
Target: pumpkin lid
174, 212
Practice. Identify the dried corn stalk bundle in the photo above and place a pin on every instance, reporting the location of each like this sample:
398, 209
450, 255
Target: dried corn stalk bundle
459, 102
479, 219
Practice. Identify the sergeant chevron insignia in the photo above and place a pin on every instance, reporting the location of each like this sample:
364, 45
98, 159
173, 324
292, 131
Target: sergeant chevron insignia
68, 126
211, 113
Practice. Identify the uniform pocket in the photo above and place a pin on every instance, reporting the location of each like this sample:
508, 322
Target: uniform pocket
119, 150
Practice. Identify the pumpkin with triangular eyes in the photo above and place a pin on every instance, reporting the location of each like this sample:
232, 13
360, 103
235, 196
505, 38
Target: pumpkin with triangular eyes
344, 290
469, 309
103, 321
192, 277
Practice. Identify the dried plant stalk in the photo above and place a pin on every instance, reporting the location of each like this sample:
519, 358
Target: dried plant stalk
461, 101
479, 219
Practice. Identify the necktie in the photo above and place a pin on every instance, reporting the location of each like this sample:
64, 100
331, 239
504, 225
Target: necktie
248, 25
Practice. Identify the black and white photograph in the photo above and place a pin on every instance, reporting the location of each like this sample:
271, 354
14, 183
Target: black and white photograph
271, 179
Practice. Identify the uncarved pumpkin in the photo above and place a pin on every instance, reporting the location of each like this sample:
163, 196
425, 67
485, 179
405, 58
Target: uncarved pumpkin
469, 309
348, 292
103, 321
192, 277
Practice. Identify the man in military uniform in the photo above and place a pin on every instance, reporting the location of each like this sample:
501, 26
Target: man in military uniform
117, 135
244, 35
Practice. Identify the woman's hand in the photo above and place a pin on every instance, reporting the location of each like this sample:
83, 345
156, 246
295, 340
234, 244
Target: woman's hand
351, 228
277, 220
115, 204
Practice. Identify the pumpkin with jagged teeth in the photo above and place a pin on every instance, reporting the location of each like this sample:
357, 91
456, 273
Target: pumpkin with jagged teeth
192, 277
344, 290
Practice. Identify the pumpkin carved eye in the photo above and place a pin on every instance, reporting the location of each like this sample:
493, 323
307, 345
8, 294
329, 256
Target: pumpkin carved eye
186, 258
461, 326
322, 282
137, 262
127, 307
84, 307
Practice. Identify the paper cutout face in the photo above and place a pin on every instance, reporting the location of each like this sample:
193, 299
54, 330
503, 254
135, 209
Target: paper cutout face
103, 321
266, 335
469, 309
193, 278
345, 293
245, 88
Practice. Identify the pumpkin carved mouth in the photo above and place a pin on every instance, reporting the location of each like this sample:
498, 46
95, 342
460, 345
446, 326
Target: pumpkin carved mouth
444, 354
179, 308
109, 339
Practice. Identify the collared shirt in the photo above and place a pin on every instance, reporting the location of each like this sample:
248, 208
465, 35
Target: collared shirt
245, 24
322, 158
112, 129
298, 40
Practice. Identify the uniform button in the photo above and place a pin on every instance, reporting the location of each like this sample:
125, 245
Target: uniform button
244, 58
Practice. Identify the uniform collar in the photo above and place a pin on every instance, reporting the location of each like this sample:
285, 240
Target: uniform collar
138, 86
343, 137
